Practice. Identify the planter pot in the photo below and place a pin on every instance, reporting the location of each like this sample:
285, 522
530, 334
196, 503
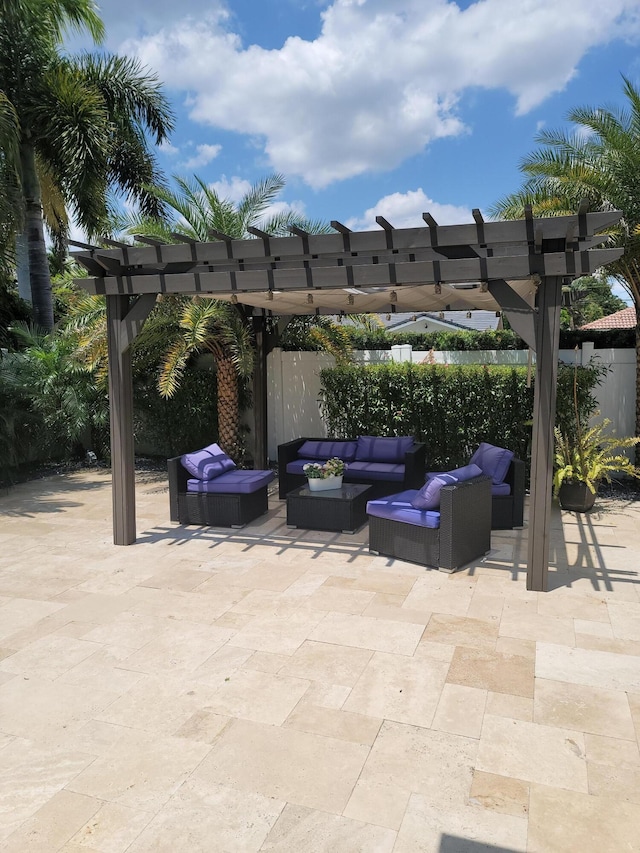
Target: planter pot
576, 497
322, 485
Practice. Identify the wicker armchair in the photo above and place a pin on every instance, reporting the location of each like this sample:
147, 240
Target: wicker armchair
464, 533
235, 505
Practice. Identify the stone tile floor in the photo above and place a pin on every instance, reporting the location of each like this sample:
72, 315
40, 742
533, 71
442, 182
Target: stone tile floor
270, 689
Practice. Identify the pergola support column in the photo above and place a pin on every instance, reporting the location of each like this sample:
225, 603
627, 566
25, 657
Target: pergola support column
544, 414
123, 324
260, 393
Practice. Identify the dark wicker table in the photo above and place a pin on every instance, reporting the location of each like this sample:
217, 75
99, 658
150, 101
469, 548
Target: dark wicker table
343, 509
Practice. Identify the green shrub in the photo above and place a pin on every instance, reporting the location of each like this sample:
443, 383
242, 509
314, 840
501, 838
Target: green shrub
184, 422
452, 408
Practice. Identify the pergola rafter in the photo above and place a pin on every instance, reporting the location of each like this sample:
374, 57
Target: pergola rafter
517, 266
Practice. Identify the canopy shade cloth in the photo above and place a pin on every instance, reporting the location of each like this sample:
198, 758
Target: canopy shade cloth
517, 266
382, 300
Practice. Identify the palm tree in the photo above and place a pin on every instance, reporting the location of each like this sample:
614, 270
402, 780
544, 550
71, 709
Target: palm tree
598, 162
209, 325
83, 126
196, 210
214, 326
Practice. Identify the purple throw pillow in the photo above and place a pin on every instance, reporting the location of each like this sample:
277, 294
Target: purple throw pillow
207, 463
428, 498
494, 461
467, 472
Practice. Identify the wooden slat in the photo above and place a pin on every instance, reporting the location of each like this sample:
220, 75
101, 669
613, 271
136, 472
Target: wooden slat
494, 234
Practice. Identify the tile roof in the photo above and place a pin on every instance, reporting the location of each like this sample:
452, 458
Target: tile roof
625, 319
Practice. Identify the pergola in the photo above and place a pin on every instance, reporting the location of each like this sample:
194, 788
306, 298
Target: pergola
517, 267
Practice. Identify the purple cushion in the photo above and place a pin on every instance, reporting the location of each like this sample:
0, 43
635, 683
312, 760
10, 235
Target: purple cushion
399, 508
500, 489
428, 497
372, 448
494, 461
314, 450
366, 472
467, 472
232, 483
207, 463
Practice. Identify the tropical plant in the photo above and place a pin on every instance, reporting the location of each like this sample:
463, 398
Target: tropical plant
61, 391
80, 128
592, 458
599, 162
586, 299
209, 325
196, 209
199, 212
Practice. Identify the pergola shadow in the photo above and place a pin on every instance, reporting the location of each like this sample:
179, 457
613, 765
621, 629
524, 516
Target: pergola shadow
458, 844
279, 537
592, 559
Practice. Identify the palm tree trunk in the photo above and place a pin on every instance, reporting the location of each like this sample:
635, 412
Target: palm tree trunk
40, 279
228, 407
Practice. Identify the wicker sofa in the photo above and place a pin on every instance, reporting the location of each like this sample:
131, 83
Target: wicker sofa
385, 464
448, 538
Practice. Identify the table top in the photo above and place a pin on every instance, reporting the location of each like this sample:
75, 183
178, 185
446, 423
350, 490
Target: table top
346, 492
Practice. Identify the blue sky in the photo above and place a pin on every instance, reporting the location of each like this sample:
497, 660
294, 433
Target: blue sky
389, 107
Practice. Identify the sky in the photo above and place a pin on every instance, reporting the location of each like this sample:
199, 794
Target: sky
374, 107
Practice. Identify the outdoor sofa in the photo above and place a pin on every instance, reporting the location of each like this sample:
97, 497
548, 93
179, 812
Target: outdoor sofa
205, 487
387, 464
445, 524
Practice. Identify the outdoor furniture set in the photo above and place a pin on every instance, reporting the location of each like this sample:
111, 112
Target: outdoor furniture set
441, 519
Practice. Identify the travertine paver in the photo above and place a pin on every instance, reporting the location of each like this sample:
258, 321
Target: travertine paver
275, 690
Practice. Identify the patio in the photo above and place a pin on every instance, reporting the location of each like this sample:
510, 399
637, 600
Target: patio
272, 689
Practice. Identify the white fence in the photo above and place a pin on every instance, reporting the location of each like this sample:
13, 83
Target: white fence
293, 384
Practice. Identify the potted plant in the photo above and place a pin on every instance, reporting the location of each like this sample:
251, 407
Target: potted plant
583, 462
324, 476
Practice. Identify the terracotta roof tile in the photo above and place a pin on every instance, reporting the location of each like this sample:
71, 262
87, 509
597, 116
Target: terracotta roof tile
625, 319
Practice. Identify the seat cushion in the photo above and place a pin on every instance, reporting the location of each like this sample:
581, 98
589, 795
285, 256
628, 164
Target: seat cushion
232, 483
494, 461
428, 497
399, 508
500, 489
372, 448
208, 463
314, 450
297, 465
365, 472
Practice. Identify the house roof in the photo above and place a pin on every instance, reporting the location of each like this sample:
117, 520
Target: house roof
477, 321
625, 319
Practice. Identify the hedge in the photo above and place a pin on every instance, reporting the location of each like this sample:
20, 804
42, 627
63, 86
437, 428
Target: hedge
504, 339
452, 408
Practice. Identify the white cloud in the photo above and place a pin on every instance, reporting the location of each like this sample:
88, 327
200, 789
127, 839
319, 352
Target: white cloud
382, 80
204, 155
232, 189
404, 210
167, 148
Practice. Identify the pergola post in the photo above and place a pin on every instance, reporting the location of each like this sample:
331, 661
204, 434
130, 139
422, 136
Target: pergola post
260, 393
544, 414
124, 321
121, 418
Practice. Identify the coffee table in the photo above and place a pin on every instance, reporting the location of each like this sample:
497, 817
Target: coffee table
343, 509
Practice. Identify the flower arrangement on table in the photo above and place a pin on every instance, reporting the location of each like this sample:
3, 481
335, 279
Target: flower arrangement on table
322, 470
